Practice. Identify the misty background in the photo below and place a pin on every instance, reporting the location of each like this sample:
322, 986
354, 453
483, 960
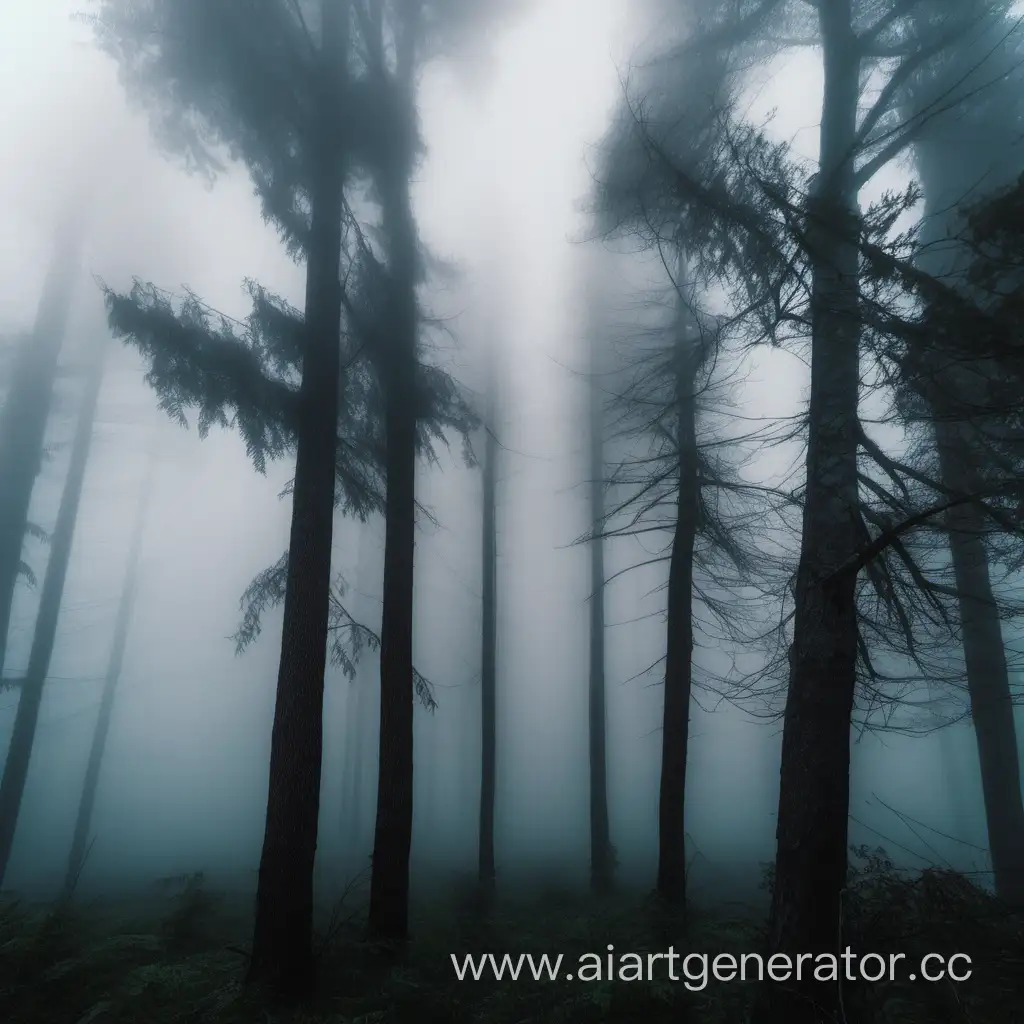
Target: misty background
499, 195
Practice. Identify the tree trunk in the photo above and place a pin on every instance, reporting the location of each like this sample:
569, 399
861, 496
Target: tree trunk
362, 720
488, 651
389, 887
389, 883
365, 717
79, 848
679, 652
811, 857
988, 683
952, 171
602, 854
25, 414
282, 952
30, 699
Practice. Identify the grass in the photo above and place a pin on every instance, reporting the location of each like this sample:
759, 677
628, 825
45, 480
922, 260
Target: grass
180, 959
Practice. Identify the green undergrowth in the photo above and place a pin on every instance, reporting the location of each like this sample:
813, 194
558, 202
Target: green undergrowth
180, 960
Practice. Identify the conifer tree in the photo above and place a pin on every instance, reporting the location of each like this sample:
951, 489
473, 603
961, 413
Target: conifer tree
661, 484
26, 410
307, 103
90, 782
602, 853
30, 695
488, 640
808, 261
965, 152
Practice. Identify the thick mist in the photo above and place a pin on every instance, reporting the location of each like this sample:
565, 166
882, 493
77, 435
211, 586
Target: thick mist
510, 150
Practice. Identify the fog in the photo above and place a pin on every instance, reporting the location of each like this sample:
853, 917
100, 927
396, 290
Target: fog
500, 195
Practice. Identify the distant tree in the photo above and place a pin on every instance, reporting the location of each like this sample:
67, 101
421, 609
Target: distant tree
397, 40
26, 411
662, 386
30, 695
90, 783
488, 638
602, 852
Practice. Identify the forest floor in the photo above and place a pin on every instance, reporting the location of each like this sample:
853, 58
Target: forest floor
179, 959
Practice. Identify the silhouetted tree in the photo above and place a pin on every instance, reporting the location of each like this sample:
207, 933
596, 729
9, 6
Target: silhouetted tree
26, 412
805, 257
488, 639
30, 696
275, 91
660, 395
602, 853
90, 783
287, 97
397, 40
964, 151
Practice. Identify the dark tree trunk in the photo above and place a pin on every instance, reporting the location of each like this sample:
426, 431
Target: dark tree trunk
988, 683
79, 842
811, 857
25, 414
389, 887
952, 172
389, 883
602, 854
19, 753
282, 952
679, 651
488, 651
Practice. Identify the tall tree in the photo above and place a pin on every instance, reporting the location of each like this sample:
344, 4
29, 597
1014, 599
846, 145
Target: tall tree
302, 109
26, 411
753, 213
814, 795
277, 91
602, 853
488, 641
689, 355
811, 855
90, 783
398, 39
964, 152
282, 951
662, 398
30, 697
389, 882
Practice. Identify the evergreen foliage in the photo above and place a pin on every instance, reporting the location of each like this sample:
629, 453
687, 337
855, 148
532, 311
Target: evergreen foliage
349, 639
